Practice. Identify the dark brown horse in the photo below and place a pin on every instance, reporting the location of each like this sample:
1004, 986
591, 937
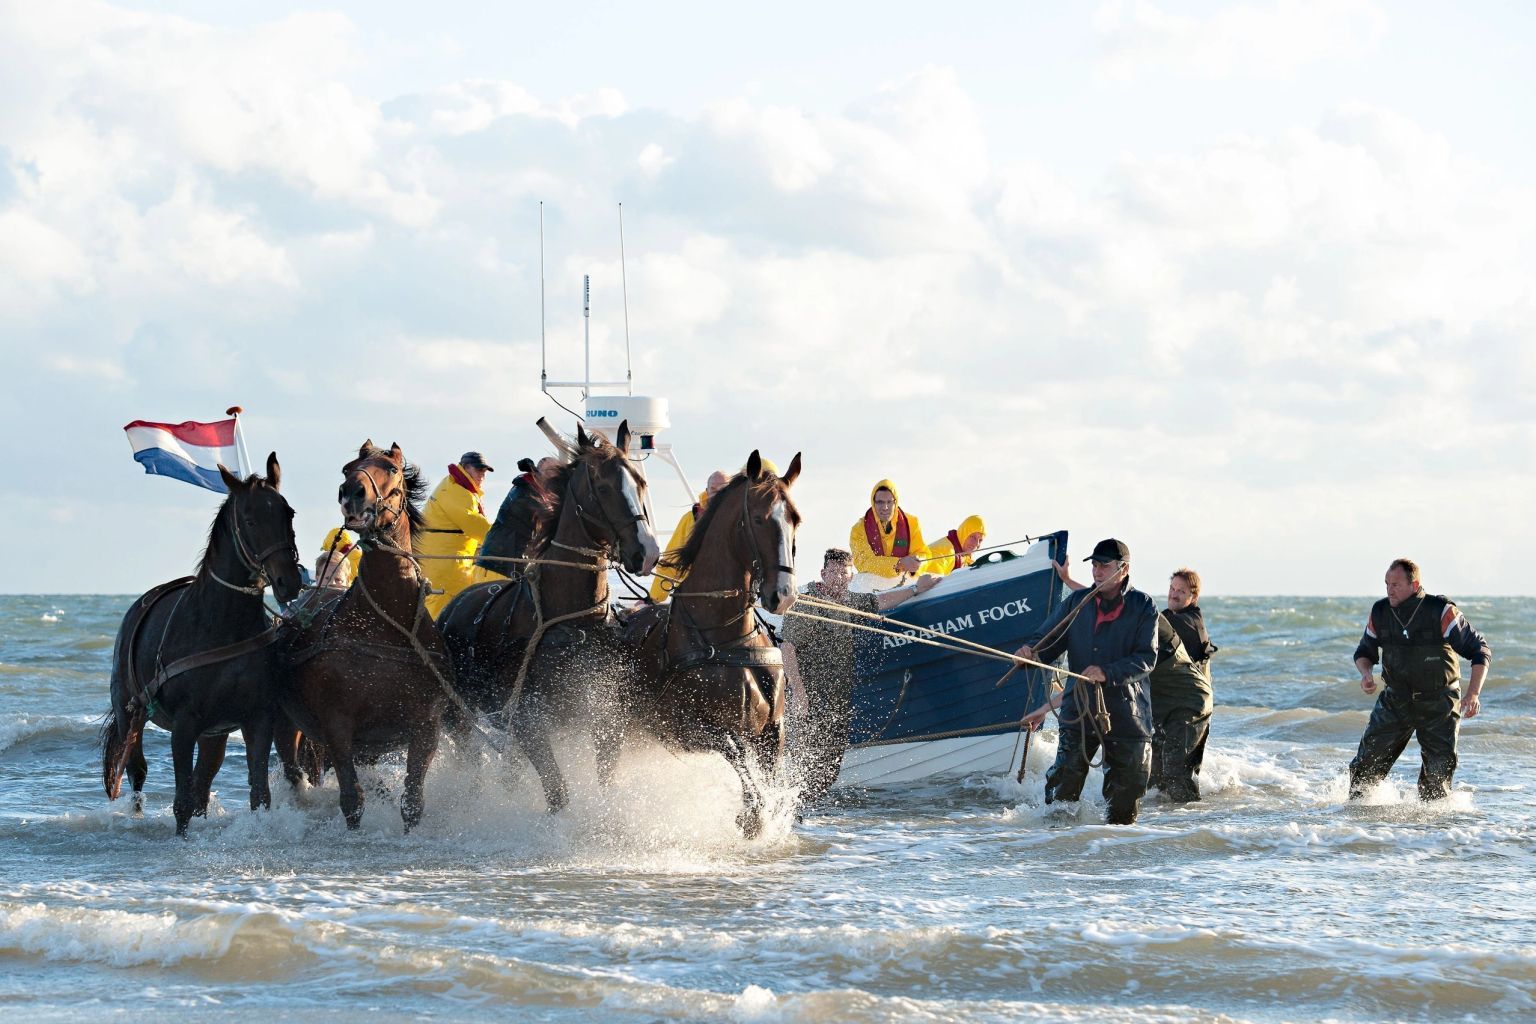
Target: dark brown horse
713, 679
368, 673
197, 657
537, 653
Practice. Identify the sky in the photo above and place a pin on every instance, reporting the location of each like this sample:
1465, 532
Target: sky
1248, 286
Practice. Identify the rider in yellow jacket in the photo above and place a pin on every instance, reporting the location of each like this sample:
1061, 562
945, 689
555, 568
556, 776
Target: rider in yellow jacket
953, 550
346, 548
453, 523
662, 581
887, 541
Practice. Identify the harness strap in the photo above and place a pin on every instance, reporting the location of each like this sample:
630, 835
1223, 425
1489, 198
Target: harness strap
212, 656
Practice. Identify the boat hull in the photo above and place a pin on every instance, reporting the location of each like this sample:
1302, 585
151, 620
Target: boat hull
921, 711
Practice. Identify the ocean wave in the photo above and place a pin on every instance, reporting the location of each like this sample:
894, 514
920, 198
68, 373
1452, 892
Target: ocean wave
17, 729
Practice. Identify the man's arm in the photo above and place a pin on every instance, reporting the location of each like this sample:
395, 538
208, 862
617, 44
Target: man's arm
1366, 654
887, 599
1470, 644
1051, 651
797, 699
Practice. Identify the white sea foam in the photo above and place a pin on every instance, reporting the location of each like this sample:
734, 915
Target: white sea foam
114, 937
18, 727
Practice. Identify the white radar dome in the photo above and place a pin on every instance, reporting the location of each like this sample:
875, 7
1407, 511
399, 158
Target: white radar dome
646, 416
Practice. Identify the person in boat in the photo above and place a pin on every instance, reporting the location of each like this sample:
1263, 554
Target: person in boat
1109, 634
1416, 637
1181, 691
887, 543
663, 582
526, 505
454, 524
818, 662
953, 550
339, 542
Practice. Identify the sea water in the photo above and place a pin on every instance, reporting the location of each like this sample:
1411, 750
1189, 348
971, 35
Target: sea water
1272, 899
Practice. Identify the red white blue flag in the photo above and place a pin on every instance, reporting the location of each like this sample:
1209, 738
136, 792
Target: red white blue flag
188, 451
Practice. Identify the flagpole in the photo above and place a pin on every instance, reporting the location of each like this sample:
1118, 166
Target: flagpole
240, 452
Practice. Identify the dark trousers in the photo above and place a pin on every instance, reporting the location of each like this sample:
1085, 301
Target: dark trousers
1433, 718
1127, 766
1178, 750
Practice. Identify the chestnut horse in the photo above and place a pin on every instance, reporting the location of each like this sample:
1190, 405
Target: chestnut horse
713, 679
368, 673
537, 652
196, 656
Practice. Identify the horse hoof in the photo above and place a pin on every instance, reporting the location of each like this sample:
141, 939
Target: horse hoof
354, 821
138, 805
750, 821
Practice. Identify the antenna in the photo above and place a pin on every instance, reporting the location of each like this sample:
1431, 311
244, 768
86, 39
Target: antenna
586, 337
543, 344
629, 364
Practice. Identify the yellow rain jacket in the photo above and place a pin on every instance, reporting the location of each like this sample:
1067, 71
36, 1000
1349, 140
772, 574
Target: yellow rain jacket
454, 524
661, 580
942, 551
346, 547
880, 554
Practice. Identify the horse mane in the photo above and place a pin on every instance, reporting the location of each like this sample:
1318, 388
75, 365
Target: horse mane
769, 486
215, 545
593, 454
415, 484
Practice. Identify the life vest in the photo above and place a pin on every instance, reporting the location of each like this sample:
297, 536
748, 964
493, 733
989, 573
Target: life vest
1414, 652
901, 544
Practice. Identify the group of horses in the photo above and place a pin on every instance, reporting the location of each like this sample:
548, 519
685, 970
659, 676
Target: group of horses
346, 677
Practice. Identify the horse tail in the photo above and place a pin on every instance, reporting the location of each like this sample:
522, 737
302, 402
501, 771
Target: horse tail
117, 741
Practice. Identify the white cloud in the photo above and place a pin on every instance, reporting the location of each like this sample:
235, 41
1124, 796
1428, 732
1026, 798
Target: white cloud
1287, 318
1243, 39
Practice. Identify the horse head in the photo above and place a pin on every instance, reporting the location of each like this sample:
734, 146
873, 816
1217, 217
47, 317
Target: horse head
374, 493
767, 523
261, 524
608, 493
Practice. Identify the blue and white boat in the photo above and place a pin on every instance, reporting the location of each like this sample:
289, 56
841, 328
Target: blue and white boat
921, 711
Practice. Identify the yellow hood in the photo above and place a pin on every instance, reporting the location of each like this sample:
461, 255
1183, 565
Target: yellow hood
972, 524
884, 485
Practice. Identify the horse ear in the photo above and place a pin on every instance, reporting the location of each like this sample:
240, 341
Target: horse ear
396, 455
754, 465
274, 473
367, 447
582, 441
792, 472
231, 481
621, 439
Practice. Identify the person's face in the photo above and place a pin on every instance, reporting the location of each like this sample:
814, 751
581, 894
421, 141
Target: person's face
475, 474
885, 505
548, 467
836, 575
1106, 570
1399, 588
972, 542
716, 483
1179, 595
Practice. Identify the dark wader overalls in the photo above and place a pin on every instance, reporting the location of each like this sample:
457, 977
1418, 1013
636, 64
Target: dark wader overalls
1421, 698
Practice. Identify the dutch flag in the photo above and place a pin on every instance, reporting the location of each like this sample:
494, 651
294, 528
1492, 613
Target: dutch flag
188, 451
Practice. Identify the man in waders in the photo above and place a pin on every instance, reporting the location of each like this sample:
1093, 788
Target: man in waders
1417, 637
818, 661
1109, 633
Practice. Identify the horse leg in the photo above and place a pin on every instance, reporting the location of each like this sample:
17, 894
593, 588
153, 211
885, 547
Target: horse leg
285, 736
607, 741
750, 820
768, 748
210, 757
258, 749
183, 747
138, 768
340, 744
533, 737
418, 758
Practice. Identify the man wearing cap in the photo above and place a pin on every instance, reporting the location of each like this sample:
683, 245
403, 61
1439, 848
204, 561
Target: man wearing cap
525, 507
1109, 634
664, 581
454, 524
1417, 637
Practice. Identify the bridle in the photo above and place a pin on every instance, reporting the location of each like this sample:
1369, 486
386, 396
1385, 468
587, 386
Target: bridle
254, 563
376, 526
735, 652
600, 548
